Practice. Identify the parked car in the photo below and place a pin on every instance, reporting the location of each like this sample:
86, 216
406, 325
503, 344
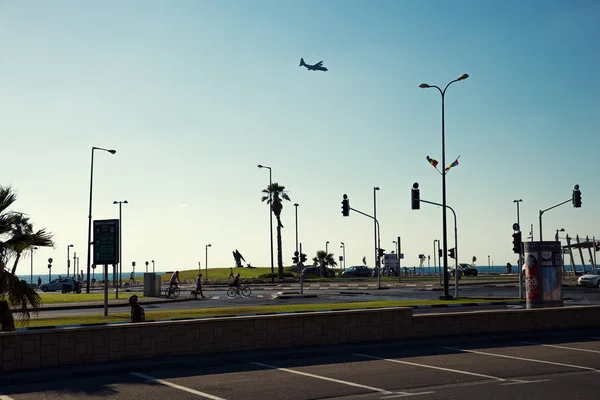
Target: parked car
357, 271
464, 270
57, 284
590, 279
315, 272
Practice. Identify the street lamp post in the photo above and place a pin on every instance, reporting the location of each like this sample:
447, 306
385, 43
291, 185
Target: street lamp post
435, 256
120, 240
343, 246
69, 259
556, 236
89, 241
152, 266
489, 266
444, 226
206, 259
375, 189
270, 219
326, 248
296, 212
519, 266
31, 276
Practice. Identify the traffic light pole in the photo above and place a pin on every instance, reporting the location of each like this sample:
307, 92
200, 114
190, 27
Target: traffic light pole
378, 244
456, 272
548, 209
300, 268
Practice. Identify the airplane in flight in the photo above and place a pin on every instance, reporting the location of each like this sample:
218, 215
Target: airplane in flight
317, 67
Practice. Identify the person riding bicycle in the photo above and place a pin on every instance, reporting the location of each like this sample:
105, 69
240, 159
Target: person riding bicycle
236, 283
174, 280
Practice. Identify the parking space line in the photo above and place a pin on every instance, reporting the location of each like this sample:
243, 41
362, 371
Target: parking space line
520, 382
5, 397
175, 386
358, 385
563, 347
523, 359
432, 367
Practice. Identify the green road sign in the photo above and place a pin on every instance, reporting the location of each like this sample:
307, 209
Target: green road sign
106, 242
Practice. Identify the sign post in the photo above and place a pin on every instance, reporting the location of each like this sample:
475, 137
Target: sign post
106, 250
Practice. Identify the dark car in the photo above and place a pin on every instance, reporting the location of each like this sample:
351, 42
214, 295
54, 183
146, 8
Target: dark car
315, 272
358, 271
465, 270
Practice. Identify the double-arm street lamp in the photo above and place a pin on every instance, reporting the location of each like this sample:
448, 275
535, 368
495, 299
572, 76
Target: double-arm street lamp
89, 241
444, 227
270, 219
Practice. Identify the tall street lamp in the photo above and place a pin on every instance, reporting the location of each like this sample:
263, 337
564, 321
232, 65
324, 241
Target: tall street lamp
206, 259
343, 246
89, 241
152, 266
31, 276
445, 233
296, 212
326, 248
120, 203
270, 219
69, 259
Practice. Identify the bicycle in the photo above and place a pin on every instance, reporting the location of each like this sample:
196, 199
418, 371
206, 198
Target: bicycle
172, 291
244, 291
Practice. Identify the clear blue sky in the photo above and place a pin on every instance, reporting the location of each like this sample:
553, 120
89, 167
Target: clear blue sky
194, 94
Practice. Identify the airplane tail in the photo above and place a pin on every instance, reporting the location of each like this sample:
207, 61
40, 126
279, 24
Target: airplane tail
302, 63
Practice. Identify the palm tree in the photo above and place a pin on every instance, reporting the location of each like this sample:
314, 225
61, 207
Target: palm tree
324, 260
274, 194
16, 236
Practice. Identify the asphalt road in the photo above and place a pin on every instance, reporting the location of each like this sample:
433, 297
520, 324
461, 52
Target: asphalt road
517, 367
579, 296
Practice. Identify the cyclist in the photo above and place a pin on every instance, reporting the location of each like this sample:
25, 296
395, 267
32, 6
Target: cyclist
174, 280
236, 283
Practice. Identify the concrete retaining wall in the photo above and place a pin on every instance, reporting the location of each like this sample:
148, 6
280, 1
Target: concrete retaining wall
35, 349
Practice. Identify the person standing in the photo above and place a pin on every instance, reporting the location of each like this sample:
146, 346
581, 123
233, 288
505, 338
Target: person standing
199, 285
230, 273
39, 282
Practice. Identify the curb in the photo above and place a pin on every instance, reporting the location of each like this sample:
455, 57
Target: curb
91, 306
486, 304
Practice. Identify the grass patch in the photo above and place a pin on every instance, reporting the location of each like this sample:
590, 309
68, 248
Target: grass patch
59, 298
95, 318
223, 273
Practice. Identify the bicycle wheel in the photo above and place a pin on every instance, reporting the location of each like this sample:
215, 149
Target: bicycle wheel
246, 291
231, 292
168, 292
176, 292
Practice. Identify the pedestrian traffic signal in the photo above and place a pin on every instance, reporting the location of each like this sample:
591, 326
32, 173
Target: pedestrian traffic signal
295, 258
517, 242
576, 197
451, 252
415, 197
345, 206
302, 258
380, 252
440, 253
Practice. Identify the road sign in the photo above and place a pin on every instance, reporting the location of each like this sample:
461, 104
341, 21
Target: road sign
106, 242
515, 227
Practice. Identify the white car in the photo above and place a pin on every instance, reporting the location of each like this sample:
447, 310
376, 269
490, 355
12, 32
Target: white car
590, 279
56, 284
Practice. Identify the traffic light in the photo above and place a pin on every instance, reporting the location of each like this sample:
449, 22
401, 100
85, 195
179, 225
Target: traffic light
576, 197
380, 252
295, 258
415, 197
440, 253
451, 252
345, 206
302, 258
517, 242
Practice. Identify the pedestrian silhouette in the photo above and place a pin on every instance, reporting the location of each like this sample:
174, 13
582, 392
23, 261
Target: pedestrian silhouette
230, 273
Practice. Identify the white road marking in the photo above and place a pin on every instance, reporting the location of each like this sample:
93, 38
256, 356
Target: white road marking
524, 359
215, 297
563, 347
374, 389
594, 337
185, 389
5, 397
520, 382
432, 367
404, 395
411, 285
259, 296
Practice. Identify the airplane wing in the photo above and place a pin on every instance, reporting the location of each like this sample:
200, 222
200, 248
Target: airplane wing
320, 63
